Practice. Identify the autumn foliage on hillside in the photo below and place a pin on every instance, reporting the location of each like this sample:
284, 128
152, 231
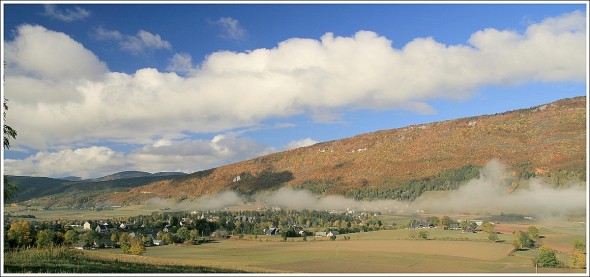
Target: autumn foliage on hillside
547, 140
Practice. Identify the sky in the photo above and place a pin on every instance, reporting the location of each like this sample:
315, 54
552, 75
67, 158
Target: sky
94, 89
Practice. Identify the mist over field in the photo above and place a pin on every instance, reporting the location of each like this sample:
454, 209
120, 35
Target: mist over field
489, 193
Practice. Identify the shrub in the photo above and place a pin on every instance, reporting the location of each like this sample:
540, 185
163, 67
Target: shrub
547, 258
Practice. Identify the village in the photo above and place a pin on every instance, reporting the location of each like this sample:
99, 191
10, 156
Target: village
196, 227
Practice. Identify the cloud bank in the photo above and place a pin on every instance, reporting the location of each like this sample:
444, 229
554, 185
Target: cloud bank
177, 155
63, 94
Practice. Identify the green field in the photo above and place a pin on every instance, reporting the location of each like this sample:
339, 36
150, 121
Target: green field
370, 252
74, 214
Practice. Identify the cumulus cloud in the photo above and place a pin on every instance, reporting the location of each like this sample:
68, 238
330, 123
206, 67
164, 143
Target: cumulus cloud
231, 29
181, 63
67, 15
162, 155
42, 55
231, 90
136, 44
300, 143
81, 162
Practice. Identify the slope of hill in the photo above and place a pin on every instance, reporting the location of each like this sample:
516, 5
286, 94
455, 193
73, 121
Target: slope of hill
547, 140
34, 187
134, 174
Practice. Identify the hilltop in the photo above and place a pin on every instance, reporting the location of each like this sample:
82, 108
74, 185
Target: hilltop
546, 141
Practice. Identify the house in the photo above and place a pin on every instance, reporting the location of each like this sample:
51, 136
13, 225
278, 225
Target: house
271, 231
104, 228
150, 236
454, 226
244, 218
126, 226
87, 225
332, 234
419, 224
321, 234
83, 245
101, 229
103, 243
159, 242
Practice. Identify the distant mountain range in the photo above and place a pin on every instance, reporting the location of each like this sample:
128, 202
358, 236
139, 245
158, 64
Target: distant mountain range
38, 187
546, 141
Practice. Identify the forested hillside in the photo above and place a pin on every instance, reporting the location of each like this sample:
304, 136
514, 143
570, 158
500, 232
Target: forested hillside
546, 141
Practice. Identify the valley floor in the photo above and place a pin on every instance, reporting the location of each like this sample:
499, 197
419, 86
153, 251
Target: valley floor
387, 251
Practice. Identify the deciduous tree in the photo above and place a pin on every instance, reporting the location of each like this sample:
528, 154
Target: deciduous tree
20, 234
45, 238
547, 258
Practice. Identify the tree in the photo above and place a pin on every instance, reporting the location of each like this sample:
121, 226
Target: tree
578, 257
167, 238
577, 260
580, 245
115, 236
488, 227
183, 234
522, 241
147, 240
71, 237
194, 235
423, 234
9, 188
45, 238
445, 222
533, 233
134, 246
547, 258
20, 234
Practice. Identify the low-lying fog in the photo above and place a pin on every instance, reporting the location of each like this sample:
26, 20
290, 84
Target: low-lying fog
486, 194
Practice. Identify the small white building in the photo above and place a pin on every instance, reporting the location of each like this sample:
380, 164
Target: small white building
332, 233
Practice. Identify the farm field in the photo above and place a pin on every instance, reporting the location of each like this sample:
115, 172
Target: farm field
372, 252
76, 214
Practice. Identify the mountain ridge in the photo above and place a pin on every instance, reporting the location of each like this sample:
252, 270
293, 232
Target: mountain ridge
547, 141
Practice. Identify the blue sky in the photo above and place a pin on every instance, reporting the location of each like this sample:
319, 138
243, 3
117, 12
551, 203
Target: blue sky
95, 89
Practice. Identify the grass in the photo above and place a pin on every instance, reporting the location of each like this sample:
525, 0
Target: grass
65, 260
371, 252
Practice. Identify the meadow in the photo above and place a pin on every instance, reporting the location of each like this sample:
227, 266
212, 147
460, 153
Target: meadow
388, 251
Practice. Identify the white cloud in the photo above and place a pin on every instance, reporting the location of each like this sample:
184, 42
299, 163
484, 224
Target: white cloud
239, 90
300, 143
67, 15
231, 29
181, 63
44, 55
163, 155
81, 162
136, 44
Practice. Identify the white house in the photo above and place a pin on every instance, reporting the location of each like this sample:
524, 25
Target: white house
332, 233
87, 225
